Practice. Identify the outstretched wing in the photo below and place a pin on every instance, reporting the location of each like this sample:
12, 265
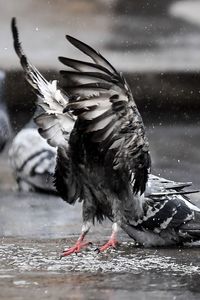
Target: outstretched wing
54, 125
107, 113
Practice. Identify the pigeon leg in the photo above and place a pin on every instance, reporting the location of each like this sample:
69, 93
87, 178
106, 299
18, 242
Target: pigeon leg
80, 243
112, 242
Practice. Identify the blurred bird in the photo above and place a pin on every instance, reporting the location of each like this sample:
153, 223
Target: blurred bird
4, 119
103, 154
33, 161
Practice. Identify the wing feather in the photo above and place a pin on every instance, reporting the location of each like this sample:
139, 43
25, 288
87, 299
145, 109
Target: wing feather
54, 125
107, 112
97, 57
82, 65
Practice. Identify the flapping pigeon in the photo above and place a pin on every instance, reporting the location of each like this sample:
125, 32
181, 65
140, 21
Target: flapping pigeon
103, 155
4, 119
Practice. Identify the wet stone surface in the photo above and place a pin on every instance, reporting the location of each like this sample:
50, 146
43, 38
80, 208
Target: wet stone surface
33, 266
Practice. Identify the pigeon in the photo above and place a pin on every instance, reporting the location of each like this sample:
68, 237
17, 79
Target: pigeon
103, 155
169, 218
5, 130
33, 162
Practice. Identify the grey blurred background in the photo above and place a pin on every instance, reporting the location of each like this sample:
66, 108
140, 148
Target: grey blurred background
155, 43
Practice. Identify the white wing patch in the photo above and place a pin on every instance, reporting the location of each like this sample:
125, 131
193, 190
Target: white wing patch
54, 125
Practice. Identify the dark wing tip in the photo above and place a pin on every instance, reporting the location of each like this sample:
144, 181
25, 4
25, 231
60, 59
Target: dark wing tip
68, 37
14, 29
71, 39
13, 22
15, 33
62, 59
17, 44
92, 53
79, 44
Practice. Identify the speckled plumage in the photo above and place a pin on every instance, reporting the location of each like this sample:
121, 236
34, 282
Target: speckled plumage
169, 217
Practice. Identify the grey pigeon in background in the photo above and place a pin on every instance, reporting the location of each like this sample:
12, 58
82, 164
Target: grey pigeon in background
33, 162
4, 119
103, 156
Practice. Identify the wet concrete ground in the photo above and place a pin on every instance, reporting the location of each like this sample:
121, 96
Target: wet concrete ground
33, 267
35, 228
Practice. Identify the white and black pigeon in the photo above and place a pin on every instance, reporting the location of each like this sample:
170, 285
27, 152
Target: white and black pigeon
103, 155
5, 130
169, 218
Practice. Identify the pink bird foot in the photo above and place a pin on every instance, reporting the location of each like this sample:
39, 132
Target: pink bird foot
112, 243
76, 248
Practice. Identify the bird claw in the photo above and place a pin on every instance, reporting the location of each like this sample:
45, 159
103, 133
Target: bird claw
75, 249
112, 243
97, 250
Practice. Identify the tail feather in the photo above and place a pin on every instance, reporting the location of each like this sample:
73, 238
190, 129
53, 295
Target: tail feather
195, 233
192, 228
167, 193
